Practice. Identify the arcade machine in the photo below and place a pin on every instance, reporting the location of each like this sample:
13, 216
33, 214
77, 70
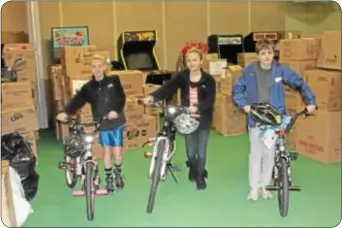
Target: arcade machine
227, 46
253, 37
136, 52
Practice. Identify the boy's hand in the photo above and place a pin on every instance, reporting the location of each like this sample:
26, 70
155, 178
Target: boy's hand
310, 108
112, 115
147, 100
247, 108
62, 117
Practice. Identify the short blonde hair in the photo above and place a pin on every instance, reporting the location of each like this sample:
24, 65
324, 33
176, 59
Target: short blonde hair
98, 57
264, 44
195, 50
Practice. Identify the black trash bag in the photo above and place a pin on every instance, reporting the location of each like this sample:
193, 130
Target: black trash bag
16, 149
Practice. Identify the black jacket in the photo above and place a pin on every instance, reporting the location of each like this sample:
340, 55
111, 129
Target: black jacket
206, 94
104, 96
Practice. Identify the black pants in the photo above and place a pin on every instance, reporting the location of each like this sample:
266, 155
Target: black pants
196, 148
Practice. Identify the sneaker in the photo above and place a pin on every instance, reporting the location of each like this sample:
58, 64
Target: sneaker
109, 184
192, 172
266, 194
253, 195
119, 183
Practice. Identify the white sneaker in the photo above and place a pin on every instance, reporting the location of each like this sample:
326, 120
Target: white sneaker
266, 194
253, 195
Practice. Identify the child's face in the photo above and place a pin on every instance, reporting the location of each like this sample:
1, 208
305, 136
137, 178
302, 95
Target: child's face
97, 68
266, 56
193, 61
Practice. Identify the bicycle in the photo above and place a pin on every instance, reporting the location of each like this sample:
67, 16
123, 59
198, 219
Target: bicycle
79, 162
282, 180
164, 147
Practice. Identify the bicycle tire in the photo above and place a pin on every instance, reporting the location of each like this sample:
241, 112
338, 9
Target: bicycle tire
155, 177
89, 188
283, 191
73, 175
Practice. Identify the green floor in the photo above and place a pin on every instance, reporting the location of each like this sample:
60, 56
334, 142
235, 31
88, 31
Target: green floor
223, 204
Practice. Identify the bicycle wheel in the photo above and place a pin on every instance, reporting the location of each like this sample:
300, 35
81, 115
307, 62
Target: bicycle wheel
155, 176
89, 188
283, 191
70, 172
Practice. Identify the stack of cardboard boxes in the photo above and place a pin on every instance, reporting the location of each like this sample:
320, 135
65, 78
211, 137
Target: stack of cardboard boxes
18, 104
318, 61
299, 55
68, 78
319, 137
228, 119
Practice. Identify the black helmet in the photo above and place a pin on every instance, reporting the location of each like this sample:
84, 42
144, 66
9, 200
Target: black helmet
74, 146
266, 114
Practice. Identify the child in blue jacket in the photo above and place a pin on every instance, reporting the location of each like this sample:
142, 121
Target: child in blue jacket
263, 81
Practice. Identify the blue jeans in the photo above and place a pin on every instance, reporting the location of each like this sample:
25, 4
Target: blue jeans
196, 148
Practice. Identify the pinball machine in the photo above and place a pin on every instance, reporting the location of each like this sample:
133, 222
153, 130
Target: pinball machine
136, 52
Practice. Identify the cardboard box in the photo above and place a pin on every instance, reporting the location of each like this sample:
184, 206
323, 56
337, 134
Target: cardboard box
326, 85
62, 131
244, 59
230, 75
56, 75
218, 79
151, 110
330, 52
299, 66
133, 110
228, 119
299, 49
138, 132
319, 136
291, 138
212, 56
16, 94
76, 60
293, 99
217, 66
14, 37
19, 119
289, 34
132, 81
25, 68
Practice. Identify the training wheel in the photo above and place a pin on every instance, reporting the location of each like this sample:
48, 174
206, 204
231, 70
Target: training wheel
78, 193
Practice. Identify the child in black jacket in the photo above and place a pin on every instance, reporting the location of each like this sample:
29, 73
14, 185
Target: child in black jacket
198, 92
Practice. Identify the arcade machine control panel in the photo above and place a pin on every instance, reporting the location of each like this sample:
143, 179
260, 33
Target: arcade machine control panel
136, 52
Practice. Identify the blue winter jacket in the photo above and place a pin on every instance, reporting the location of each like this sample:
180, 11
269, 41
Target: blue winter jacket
245, 90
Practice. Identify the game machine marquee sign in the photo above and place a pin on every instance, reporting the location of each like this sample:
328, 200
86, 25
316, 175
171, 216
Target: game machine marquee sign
136, 52
68, 37
227, 46
253, 37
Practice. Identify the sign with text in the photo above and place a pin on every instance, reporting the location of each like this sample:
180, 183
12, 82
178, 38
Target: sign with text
140, 36
70, 36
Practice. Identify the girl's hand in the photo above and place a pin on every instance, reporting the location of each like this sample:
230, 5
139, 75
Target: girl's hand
193, 109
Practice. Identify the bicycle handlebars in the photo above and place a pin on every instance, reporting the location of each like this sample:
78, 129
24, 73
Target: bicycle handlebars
295, 117
159, 104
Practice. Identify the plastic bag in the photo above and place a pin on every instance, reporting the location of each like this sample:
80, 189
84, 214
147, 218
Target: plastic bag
18, 152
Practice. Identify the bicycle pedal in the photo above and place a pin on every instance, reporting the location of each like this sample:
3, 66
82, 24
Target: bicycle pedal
295, 188
272, 188
293, 156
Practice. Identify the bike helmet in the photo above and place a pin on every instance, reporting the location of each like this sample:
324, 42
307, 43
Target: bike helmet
185, 124
266, 114
74, 146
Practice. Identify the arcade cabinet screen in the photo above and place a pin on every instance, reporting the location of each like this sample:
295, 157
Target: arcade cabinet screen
141, 61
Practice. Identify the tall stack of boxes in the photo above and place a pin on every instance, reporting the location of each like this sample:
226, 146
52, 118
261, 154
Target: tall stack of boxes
74, 72
18, 98
299, 55
318, 61
319, 137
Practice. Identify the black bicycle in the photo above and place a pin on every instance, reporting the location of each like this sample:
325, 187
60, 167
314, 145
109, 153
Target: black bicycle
79, 162
282, 181
164, 147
